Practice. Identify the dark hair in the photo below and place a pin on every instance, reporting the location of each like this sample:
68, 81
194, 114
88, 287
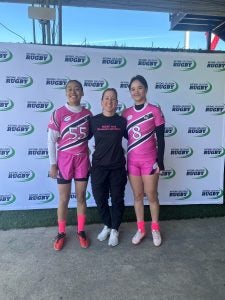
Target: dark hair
139, 78
75, 81
110, 90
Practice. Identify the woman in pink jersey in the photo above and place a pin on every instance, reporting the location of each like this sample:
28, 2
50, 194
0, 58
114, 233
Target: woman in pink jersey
145, 128
68, 132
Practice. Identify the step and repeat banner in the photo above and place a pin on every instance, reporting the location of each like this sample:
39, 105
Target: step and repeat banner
189, 88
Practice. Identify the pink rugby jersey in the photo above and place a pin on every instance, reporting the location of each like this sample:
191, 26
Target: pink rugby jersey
141, 130
73, 128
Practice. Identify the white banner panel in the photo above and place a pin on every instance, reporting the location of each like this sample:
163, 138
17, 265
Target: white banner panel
189, 87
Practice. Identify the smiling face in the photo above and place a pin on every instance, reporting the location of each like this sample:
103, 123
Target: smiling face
109, 102
138, 92
74, 93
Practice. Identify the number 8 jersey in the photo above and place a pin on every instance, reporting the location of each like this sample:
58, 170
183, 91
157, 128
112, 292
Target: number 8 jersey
141, 126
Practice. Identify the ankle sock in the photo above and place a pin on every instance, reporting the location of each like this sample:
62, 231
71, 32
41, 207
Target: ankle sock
81, 220
155, 226
141, 226
62, 226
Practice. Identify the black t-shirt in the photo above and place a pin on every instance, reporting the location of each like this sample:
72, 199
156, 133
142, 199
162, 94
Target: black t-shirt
108, 133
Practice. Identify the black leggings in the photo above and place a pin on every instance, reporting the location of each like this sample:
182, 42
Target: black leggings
105, 183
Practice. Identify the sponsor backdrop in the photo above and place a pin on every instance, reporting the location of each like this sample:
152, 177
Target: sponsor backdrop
189, 88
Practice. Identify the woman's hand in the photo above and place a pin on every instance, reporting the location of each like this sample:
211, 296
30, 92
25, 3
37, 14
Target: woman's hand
53, 172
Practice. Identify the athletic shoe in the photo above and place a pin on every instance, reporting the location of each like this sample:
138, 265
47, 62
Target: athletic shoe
104, 233
138, 237
113, 238
59, 241
157, 240
84, 243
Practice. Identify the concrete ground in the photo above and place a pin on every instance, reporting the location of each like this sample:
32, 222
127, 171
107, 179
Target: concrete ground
190, 264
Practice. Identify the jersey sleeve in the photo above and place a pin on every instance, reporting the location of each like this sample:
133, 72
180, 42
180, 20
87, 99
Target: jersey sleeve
159, 117
54, 122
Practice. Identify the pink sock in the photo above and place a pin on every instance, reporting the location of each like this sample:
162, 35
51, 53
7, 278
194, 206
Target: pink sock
141, 226
81, 220
62, 226
155, 226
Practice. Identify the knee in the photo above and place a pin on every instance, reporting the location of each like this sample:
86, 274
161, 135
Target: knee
64, 199
152, 196
138, 197
81, 196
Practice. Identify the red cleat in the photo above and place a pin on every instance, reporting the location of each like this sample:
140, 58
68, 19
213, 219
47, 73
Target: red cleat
84, 243
59, 241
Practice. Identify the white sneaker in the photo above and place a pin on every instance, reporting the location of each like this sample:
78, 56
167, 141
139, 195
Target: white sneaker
114, 238
104, 233
138, 237
157, 240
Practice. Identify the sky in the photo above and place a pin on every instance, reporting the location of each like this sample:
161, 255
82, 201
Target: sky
100, 27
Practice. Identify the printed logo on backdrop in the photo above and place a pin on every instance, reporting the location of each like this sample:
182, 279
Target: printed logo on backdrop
199, 131
214, 152
213, 194
7, 104
186, 109
170, 130
39, 58
124, 84
114, 62
168, 173
57, 83
77, 60
180, 194
85, 104
150, 63
38, 153
19, 81
120, 107
96, 85
215, 109
20, 130
21, 176
5, 55
184, 65
7, 199
167, 87
181, 152
74, 197
40, 106
197, 173
41, 198
201, 88
7, 152
216, 66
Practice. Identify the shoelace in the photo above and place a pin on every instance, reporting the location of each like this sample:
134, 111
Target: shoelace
82, 234
60, 236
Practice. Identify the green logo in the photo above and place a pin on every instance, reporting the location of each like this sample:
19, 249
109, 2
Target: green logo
86, 105
27, 176
123, 63
170, 131
5, 55
49, 107
7, 152
50, 198
188, 195
29, 130
47, 61
104, 87
29, 82
168, 174
84, 62
207, 89
6, 105
7, 199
